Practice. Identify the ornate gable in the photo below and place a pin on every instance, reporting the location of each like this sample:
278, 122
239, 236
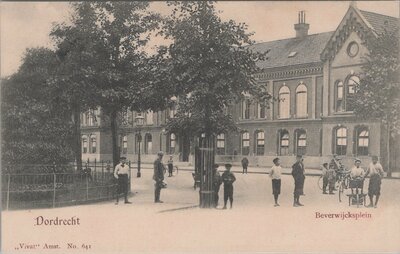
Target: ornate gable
353, 21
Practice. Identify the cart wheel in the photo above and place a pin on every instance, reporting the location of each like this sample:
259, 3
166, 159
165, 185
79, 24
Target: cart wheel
341, 189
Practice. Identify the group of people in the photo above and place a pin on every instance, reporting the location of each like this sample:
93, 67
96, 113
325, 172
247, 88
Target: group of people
330, 174
374, 171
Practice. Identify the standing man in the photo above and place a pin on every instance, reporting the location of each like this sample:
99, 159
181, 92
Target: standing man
298, 175
216, 184
375, 172
121, 174
158, 177
245, 163
228, 178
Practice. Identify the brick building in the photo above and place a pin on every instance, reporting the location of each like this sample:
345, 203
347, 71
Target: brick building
314, 78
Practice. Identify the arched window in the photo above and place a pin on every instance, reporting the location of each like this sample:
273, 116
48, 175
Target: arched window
339, 96
148, 143
340, 141
301, 142
261, 110
84, 144
221, 144
352, 83
124, 144
301, 101
245, 143
93, 143
284, 142
246, 109
172, 143
149, 118
284, 102
260, 142
362, 141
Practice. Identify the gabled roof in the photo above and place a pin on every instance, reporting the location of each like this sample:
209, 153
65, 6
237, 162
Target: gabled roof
380, 22
308, 50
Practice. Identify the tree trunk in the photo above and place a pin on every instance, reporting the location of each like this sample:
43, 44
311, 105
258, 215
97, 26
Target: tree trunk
114, 136
389, 171
77, 145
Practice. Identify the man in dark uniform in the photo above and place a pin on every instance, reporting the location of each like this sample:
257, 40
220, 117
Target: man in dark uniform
245, 164
228, 178
158, 177
298, 175
216, 184
121, 174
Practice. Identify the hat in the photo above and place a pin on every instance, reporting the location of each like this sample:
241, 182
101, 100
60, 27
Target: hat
215, 165
275, 160
228, 165
357, 159
122, 158
160, 153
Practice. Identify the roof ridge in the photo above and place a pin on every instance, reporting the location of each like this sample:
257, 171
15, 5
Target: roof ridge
291, 38
379, 14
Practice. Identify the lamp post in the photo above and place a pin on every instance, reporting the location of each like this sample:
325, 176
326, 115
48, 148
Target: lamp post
139, 123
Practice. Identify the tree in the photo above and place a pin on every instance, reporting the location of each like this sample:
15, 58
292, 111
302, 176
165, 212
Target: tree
35, 127
126, 76
378, 94
212, 68
107, 63
74, 80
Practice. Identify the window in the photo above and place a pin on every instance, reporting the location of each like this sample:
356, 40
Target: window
362, 141
246, 109
260, 142
172, 143
245, 143
261, 110
148, 143
340, 141
84, 144
339, 96
284, 102
91, 117
301, 101
125, 145
149, 118
284, 142
352, 84
221, 144
301, 142
93, 144
172, 111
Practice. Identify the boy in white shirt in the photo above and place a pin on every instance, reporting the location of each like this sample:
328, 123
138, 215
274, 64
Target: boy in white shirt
275, 175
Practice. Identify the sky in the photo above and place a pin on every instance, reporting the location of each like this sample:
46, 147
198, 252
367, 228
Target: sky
27, 24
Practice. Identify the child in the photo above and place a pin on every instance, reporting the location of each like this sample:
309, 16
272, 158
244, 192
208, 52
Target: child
228, 178
275, 175
170, 166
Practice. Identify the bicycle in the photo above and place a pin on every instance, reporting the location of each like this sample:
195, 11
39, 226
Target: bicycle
342, 183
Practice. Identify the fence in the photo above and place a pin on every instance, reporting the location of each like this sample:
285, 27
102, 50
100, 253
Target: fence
56, 185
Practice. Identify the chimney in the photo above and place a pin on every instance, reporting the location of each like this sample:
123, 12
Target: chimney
301, 27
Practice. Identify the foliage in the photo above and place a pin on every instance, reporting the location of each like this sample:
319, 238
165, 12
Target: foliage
212, 67
378, 94
34, 128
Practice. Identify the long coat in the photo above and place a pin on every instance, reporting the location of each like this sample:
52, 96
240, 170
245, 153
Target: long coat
158, 171
299, 177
